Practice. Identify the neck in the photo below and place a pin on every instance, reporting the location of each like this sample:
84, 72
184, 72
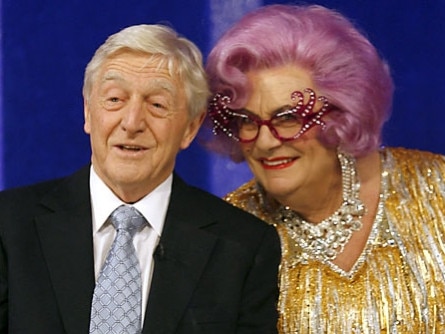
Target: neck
326, 241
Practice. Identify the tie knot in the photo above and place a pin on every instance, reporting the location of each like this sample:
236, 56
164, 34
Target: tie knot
127, 218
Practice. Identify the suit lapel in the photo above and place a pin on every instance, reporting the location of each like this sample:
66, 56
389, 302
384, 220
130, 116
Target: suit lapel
180, 259
65, 233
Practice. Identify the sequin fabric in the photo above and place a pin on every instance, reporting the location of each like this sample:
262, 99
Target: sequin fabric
398, 282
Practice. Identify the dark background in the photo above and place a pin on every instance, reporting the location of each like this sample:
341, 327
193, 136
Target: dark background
47, 44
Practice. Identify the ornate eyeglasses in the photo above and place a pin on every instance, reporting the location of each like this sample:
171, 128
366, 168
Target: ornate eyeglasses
286, 125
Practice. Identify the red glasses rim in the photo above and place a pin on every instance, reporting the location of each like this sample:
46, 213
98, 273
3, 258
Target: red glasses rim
309, 121
222, 115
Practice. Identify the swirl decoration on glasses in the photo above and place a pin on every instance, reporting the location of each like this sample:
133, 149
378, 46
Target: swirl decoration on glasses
285, 125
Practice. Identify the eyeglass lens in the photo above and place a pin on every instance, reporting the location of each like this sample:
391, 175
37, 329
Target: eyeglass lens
283, 125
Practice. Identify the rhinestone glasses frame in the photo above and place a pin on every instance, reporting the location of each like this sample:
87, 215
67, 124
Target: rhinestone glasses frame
222, 116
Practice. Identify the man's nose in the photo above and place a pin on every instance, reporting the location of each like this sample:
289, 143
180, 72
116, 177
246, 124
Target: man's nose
266, 139
134, 117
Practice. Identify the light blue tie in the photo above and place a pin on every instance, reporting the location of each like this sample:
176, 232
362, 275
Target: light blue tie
116, 306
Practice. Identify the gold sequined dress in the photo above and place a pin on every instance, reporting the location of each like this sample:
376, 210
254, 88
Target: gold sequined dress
398, 283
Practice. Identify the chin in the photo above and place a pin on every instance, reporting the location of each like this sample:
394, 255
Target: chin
279, 190
127, 176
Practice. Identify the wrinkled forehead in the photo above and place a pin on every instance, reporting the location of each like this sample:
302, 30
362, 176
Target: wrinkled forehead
130, 68
154, 82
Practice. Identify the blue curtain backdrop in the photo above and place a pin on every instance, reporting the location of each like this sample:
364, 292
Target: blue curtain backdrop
46, 45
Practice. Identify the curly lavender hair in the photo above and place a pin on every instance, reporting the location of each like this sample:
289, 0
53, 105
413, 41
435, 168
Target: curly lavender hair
345, 67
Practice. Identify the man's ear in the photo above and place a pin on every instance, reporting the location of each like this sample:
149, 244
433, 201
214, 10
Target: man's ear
86, 115
192, 130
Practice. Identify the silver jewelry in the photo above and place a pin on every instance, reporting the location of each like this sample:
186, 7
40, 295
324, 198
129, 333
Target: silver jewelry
325, 240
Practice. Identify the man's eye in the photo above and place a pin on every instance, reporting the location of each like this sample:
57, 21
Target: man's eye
289, 116
246, 120
112, 103
241, 119
158, 105
159, 109
112, 100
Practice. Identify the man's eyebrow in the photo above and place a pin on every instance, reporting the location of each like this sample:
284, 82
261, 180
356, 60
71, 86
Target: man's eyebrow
110, 76
159, 83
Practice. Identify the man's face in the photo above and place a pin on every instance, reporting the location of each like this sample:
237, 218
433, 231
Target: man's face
288, 170
137, 119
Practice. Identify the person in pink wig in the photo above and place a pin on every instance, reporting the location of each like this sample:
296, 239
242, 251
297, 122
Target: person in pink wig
301, 95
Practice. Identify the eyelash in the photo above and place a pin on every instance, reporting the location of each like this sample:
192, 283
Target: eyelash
158, 105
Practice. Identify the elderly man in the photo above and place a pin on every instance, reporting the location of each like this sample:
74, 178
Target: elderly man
124, 245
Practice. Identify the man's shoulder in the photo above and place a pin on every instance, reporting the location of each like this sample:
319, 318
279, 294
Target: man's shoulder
206, 200
24, 196
202, 203
33, 190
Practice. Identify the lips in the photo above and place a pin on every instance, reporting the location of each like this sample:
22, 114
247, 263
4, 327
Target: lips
130, 150
131, 147
277, 163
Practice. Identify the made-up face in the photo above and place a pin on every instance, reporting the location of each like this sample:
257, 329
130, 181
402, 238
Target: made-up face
288, 170
137, 118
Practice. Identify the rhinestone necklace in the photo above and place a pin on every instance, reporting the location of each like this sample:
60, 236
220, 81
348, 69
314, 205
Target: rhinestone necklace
325, 240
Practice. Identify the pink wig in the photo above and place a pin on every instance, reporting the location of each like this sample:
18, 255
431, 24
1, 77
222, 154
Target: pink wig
345, 67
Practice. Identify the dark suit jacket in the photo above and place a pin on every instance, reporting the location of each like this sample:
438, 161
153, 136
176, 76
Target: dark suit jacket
215, 267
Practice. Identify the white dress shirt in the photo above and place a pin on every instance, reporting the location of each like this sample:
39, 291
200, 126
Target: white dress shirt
153, 207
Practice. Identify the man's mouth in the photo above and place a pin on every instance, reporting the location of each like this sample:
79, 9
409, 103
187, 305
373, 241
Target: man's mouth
131, 148
277, 163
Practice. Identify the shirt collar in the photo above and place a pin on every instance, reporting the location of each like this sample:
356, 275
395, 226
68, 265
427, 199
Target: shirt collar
153, 206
